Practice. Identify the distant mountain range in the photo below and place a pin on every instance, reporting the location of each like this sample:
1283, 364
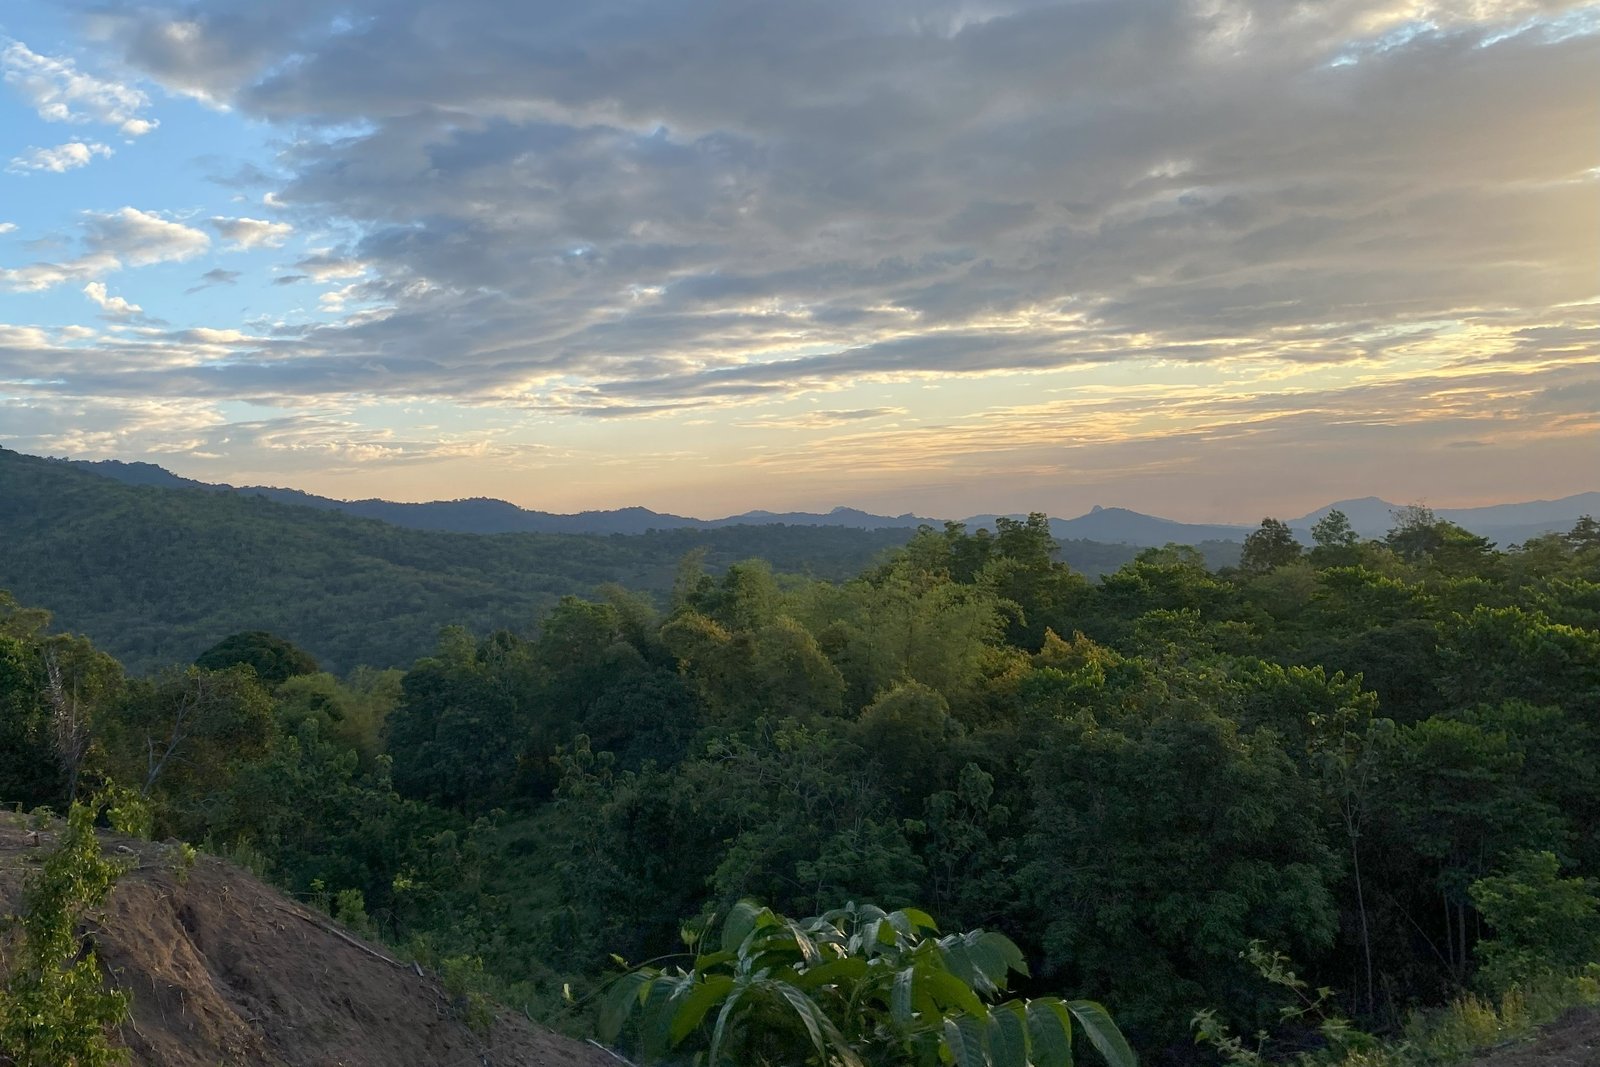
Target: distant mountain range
1370, 516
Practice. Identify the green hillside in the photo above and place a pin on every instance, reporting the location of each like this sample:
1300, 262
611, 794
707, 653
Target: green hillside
157, 575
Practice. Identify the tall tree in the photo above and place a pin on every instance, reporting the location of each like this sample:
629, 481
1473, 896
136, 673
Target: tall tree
1268, 547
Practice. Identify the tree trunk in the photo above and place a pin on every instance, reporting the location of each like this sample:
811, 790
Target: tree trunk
1366, 938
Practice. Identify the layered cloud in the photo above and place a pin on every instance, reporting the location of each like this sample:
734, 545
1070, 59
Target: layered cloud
617, 211
704, 206
110, 241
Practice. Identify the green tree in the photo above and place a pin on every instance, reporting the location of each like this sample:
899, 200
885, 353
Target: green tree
1418, 536
1335, 541
1162, 841
1458, 804
1334, 531
181, 734
909, 732
1268, 547
464, 718
857, 985
53, 688
1541, 921
272, 658
1416, 533
1498, 654
1585, 534
29, 770
352, 714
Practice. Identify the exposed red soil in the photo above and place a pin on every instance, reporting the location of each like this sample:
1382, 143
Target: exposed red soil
224, 970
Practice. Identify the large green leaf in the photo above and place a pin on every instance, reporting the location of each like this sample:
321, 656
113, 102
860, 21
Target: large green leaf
949, 991
963, 1036
959, 960
742, 920
1049, 1033
620, 1000
719, 1033
983, 959
713, 959
1000, 956
823, 1033
660, 999
802, 941
903, 924
1007, 1035
808, 1013
694, 1005
877, 936
849, 968
1103, 1033
900, 1003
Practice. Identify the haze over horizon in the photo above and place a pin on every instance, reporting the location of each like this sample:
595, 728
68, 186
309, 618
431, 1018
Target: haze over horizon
1207, 260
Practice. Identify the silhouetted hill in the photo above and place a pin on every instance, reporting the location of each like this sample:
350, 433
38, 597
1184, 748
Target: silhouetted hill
1131, 527
141, 474
485, 515
1370, 516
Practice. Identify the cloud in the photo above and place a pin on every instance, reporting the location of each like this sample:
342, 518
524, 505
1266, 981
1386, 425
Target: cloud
865, 193
817, 420
215, 276
60, 92
248, 233
57, 160
328, 266
139, 238
111, 241
604, 210
113, 306
7, 227
36, 277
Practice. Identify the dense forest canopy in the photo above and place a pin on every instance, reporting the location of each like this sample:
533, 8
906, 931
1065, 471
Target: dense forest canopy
1355, 755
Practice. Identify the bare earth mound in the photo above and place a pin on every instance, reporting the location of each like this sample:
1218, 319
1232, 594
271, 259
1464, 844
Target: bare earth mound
224, 970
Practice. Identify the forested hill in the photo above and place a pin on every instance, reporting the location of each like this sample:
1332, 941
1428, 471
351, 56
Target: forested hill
156, 575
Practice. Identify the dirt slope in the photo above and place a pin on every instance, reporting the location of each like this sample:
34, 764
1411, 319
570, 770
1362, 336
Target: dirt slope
224, 970
1571, 1041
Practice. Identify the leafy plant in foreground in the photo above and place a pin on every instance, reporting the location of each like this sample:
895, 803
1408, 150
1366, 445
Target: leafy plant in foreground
53, 1011
855, 986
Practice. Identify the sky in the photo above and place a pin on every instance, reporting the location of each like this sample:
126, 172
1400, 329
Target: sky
1209, 259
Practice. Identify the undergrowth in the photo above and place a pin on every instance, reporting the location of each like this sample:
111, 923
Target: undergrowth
1433, 1037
